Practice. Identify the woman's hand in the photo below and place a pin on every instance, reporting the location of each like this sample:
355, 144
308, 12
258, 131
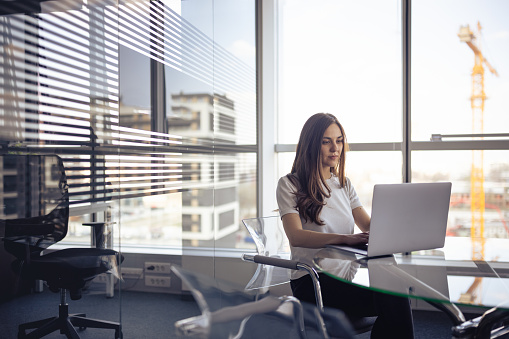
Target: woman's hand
356, 239
299, 237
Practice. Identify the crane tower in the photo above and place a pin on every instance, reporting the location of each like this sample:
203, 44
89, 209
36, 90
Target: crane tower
477, 103
477, 198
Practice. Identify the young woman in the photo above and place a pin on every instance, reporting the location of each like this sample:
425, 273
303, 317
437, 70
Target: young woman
319, 206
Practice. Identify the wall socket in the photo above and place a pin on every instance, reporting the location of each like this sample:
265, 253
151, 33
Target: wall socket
132, 273
157, 267
157, 281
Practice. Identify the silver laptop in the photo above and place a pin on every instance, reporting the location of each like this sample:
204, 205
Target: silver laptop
406, 217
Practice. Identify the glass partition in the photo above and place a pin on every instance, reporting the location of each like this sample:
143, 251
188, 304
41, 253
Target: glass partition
152, 107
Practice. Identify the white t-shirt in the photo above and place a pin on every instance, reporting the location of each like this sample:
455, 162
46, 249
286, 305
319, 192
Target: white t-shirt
336, 214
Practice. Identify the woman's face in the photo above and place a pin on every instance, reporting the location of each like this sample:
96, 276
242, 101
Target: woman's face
332, 146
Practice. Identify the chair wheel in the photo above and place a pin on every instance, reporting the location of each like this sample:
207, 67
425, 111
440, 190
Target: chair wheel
119, 335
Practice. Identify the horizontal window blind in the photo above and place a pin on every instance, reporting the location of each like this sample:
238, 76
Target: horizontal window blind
60, 94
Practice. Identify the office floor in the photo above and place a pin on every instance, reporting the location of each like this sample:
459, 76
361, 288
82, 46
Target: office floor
149, 315
144, 315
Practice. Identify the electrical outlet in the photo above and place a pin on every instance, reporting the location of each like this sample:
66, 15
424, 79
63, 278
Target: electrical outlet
157, 267
132, 273
157, 281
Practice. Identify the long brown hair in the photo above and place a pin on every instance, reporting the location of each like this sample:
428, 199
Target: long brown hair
306, 172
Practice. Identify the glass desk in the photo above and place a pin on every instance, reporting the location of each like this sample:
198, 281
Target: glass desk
445, 278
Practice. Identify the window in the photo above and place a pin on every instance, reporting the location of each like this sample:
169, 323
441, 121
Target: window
340, 57
443, 64
144, 100
346, 60
461, 108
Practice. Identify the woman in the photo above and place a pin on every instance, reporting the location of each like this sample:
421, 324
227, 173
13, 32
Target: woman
319, 206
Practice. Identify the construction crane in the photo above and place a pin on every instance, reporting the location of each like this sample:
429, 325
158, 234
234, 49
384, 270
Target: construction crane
477, 204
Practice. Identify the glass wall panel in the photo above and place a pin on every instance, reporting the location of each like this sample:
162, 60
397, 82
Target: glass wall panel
135, 103
152, 107
234, 120
341, 57
453, 91
185, 119
455, 166
59, 95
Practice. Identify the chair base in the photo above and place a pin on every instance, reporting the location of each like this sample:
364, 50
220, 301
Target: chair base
66, 323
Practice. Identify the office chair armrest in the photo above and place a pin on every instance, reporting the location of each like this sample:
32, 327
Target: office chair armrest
200, 325
278, 262
242, 311
293, 265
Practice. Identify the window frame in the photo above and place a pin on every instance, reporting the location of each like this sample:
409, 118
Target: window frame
406, 146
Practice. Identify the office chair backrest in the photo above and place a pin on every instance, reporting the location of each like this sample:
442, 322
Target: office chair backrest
229, 312
38, 215
271, 241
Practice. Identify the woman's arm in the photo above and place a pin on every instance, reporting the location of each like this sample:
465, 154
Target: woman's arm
361, 218
299, 237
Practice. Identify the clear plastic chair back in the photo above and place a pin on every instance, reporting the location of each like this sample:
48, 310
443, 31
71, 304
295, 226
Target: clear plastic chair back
227, 311
271, 241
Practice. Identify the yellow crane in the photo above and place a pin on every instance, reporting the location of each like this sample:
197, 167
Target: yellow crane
477, 205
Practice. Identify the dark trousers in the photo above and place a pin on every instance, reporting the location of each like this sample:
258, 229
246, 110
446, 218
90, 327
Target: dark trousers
394, 316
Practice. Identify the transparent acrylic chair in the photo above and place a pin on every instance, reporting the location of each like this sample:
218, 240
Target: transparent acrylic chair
228, 311
274, 264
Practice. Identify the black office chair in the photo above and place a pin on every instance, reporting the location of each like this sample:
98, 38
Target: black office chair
273, 257
43, 177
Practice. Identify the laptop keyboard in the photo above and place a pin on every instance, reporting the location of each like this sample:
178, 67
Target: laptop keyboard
361, 247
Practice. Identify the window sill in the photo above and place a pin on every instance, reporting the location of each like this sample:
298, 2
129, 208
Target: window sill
166, 250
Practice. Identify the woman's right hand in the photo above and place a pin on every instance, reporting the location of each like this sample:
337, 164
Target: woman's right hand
356, 239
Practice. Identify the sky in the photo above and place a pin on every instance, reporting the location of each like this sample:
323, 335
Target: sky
344, 57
